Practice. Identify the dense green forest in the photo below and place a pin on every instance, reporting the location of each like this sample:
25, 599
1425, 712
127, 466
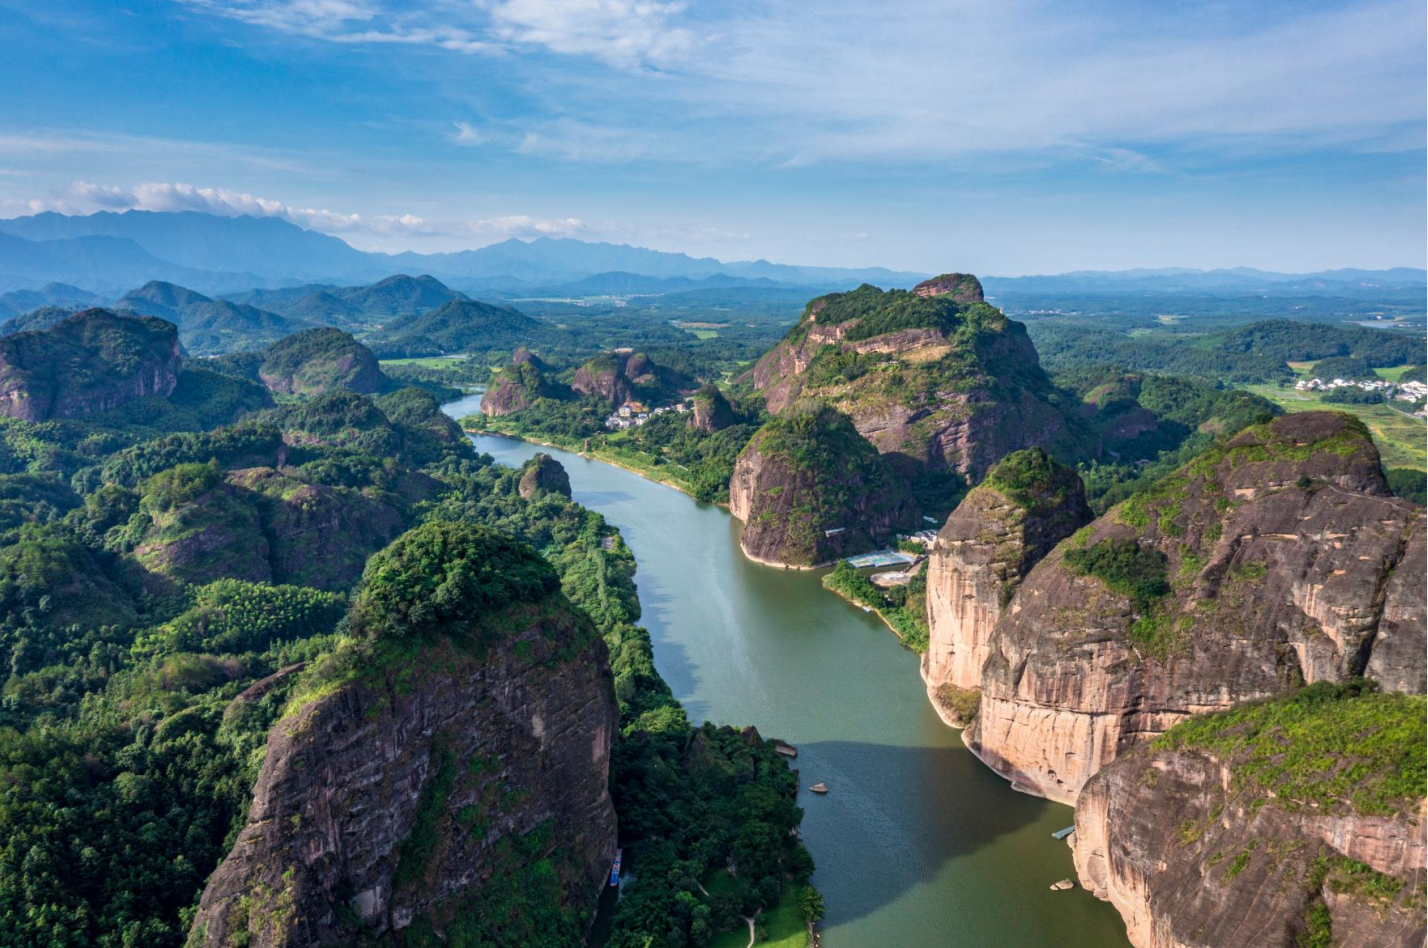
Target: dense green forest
1259, 352
150, 572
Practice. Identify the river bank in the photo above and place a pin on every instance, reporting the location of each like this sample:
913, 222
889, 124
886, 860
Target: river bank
917, 843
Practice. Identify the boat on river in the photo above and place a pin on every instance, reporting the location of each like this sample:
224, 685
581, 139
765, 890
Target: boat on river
615, 869
818, 788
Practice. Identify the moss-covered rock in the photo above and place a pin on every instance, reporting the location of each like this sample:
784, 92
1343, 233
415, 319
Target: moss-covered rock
91, 362
809, 489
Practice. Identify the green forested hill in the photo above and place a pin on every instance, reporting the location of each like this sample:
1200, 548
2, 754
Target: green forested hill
153, 573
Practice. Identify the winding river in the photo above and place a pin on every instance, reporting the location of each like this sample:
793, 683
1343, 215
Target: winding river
917, 844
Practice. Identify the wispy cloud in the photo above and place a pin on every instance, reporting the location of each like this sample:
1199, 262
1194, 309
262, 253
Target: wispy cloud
522, 225
466, 134
625, 33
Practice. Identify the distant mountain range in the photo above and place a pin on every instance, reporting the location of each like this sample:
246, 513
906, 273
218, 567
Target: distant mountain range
272, 264
108, 252
1243, 280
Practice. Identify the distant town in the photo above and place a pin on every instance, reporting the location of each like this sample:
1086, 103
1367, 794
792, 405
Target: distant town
632, 414
1413, 392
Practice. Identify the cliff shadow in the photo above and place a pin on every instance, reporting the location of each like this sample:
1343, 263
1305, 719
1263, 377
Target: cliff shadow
659, 614
899, 818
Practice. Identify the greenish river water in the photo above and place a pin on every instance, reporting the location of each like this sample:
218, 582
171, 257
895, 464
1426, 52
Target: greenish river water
917, 844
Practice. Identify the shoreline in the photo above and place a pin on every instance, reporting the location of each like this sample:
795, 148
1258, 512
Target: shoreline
877, 612
592, 456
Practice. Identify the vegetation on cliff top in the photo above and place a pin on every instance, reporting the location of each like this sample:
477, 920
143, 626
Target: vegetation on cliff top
440, 574
1332, 747
1031, 478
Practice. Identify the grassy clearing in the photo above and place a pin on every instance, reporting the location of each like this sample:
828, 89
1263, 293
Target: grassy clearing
430, 362
1399, 437
782, 926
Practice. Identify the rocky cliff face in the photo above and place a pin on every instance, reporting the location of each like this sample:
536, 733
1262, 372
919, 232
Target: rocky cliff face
934, 378
518, 386
1194, 851
809, 489
91, 362
961, 287
1027, 504
1264, 563
543, 473
406, 786
618, 377
712, 411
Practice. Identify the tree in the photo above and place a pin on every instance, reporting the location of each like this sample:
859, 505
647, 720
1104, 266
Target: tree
810, 903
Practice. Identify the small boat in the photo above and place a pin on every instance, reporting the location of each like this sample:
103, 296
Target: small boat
818, 788
1062, 834
615, 869
1063, 885
785, 748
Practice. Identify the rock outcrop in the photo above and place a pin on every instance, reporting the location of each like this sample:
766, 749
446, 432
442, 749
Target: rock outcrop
543, 473
91, 362
1266, 562
464, 752
810, 489
712, 411
961, 287
618, 377
1196, 847
1027, 504
935, 378
518, 386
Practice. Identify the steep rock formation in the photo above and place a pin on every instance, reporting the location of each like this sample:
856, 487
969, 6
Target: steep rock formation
712, 411
518, 386
961, 287
809, 489
934, 378
1027, 504
91, 362
543, 473
620, 376
604, 377
466, 750
1195, 852
318, 360
1262, 564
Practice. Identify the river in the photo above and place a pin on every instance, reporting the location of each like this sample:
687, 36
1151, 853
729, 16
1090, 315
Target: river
917, 844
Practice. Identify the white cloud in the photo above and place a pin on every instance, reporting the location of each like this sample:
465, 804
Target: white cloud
86, 197
619, 32
466, 134
523, 225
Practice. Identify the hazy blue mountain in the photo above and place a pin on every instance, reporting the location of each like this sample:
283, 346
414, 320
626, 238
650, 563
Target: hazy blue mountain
277, 251
622, 283
226, 254
42, 318
376, 303
267, 246
1349, 282
208, 326
60, 295
98, 264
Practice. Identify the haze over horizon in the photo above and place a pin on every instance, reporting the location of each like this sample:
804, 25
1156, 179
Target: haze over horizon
1009, 139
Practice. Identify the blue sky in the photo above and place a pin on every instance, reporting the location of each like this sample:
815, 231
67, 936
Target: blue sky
1001, 138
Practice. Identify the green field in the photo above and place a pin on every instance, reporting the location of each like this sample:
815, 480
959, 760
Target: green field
783, 927
431, 362
1399, 437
